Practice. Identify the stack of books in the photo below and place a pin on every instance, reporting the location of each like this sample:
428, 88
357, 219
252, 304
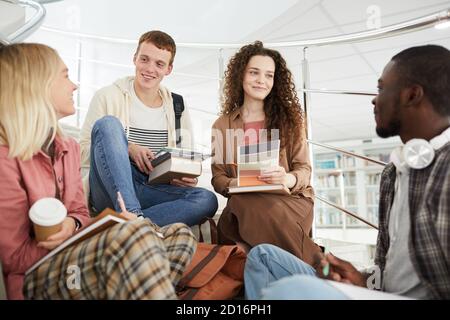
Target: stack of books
175, 163
253, 160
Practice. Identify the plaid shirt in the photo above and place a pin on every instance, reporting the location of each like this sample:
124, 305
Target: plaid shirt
429, 239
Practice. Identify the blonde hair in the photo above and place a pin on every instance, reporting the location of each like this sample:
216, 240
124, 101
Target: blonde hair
28, 120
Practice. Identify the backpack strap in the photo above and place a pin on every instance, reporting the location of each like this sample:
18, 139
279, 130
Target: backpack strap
199, 267
178, 108
212, 230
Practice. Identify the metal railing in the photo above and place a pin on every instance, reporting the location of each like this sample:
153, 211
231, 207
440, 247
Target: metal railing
352, 154
350, 213
389, 31
384, 32
30, 26
326, 91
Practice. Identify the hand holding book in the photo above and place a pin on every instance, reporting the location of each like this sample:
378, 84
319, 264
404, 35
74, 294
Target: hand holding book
179, 167
274, 175
277, 175
142, 157
258, 170
185, 182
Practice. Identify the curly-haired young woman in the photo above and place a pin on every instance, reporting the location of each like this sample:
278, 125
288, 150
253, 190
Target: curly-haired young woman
260, 102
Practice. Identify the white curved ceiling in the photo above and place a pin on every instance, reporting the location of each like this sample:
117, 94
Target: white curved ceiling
12, 17
355, 66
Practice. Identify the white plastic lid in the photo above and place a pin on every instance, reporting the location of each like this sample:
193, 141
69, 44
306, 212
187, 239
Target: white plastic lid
47, 212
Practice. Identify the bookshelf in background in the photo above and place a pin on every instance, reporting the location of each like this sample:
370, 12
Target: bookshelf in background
350, 182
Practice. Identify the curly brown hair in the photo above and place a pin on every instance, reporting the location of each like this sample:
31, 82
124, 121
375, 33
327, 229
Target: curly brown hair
281, 107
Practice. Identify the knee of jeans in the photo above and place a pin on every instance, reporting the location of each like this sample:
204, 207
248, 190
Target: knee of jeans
254, 256
262, 249
207, 200
107, 124
293, 287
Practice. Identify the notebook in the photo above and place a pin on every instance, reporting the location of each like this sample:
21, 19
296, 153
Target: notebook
268, 188
106, 219
253, 159
359, 293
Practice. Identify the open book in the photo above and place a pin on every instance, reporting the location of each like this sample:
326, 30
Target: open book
174, 163
359, 293
252, 161
103, 221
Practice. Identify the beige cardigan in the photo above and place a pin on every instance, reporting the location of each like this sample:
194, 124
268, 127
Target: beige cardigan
115, 100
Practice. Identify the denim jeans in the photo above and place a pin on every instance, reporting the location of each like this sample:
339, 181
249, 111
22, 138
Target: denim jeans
111, 171
275, 274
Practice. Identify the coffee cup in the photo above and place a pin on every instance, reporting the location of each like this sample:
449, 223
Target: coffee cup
47, 215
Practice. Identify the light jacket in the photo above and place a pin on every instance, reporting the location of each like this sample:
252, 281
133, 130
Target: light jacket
115, 100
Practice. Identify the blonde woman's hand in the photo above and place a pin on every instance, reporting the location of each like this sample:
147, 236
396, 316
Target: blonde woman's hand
67, 230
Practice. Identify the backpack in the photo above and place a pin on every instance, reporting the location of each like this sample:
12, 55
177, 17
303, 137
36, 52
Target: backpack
178, 108
216, 272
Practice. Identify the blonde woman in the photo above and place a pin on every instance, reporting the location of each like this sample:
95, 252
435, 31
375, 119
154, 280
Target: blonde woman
129, 260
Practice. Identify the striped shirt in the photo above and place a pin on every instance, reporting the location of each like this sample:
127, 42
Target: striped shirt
152, 139
148, 124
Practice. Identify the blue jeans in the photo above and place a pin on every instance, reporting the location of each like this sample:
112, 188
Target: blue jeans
111, 171
275, 274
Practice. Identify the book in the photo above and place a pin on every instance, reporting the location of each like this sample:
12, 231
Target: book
174, 163
106, 219
270, 188
253, 159
358, 293
165, 153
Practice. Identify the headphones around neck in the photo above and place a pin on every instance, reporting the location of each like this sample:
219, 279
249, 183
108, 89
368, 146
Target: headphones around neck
419, 153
